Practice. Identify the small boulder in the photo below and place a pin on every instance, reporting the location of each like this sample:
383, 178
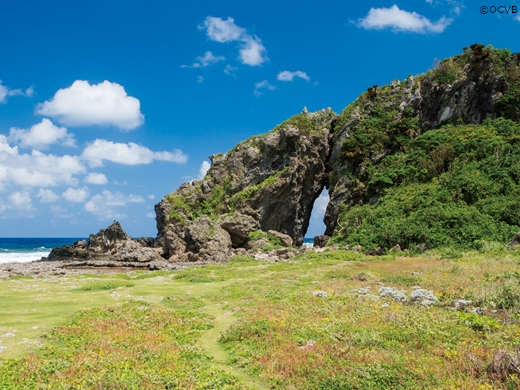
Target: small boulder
285, 239
321, 240
515, 241
239, 226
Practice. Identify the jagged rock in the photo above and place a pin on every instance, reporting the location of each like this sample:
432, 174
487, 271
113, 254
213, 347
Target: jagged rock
208, 240
106, 239
272, 178
375, 252
258, 244
470, 98
239, 226
321, 241
515, 241
110, 244
285, 239
146, 241
423, 246
395, 248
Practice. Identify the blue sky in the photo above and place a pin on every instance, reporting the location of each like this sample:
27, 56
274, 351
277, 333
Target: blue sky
106, 106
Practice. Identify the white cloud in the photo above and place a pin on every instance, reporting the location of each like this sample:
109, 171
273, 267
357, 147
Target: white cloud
37, 169
103, 205
4, 146
47, 196
263, 85
21, 201
252, 52
517, 18
104, 104
6, 91
128, 154
60, 212
41, 135
206, 60
152, 197
229, 69
150, 215
200, 79
399, 20
76, 194
204, 167
222, 31
96, 178
289, 76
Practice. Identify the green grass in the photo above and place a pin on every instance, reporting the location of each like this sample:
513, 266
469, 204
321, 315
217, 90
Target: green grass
257, 325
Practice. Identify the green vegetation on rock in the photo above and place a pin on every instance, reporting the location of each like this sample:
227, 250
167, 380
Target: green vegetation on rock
455, 186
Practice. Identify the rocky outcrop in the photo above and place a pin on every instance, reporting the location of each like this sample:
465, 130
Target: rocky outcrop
268, 182
467, 88
111, 244
239, 226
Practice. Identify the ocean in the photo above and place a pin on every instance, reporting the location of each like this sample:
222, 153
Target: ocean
24, 250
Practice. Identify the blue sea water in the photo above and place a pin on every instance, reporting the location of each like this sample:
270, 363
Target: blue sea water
308, 241
24, 250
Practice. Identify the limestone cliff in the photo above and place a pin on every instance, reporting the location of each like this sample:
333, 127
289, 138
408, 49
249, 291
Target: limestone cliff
271, 181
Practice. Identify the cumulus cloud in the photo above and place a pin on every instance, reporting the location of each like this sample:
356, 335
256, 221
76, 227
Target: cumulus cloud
263, 85
128, 154
252, 52
37, 169
41, 136
230, 69
402, 21
104, 104
96, 178
206, 60
21, 201
104, 205
150, 215
289, 76
76, 194
6, 91
200, 79
47, 196
204, 167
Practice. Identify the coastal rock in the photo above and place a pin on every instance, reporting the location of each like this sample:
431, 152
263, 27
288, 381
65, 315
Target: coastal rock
110, 244
207, 240
321, 241
239, 226
285, 239
273, 179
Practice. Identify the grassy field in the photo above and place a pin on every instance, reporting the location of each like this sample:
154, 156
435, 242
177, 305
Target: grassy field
334, 320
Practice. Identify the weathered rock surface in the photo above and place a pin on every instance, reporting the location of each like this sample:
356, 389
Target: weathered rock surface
468, 95
268, 182
321, 241
239, 226
110, 244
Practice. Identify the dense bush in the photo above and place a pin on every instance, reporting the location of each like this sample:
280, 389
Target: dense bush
454, 186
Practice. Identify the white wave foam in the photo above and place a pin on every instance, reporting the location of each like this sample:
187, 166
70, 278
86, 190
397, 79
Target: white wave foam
21, 257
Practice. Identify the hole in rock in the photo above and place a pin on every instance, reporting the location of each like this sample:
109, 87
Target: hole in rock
316, 225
